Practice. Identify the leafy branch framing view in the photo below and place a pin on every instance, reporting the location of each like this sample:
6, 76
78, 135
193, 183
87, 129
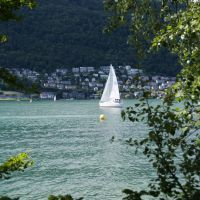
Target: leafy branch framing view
172, 144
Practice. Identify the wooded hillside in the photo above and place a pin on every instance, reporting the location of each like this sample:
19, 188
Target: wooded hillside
68, 33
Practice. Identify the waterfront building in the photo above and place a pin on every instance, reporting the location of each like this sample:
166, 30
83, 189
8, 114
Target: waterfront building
47, 95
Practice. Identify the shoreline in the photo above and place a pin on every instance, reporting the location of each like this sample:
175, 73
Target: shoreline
14, 99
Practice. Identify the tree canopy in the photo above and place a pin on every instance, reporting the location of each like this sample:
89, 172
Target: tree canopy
8, 11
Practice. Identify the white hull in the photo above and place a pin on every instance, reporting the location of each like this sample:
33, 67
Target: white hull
111, 104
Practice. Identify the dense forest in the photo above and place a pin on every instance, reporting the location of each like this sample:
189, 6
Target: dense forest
68, 33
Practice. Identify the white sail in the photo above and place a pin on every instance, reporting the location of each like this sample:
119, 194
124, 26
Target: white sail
114, 92
54, 98
107, 89
110, 96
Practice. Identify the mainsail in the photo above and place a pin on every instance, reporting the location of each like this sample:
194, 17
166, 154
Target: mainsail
111, 90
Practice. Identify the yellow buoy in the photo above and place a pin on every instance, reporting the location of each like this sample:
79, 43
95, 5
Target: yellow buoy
102, 117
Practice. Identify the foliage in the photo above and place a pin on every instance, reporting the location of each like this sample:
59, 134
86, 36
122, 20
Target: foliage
171, 146
15, 163
181, 36
14, 82
73, 28
7, 198
8, 11
60, 197
172, 142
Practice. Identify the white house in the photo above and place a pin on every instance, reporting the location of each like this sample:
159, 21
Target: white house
47, 95
90, 69
100, 85
70, 87
75, 70
92, 84
62, 71
128, 67
105, 69
83, 69
104, 77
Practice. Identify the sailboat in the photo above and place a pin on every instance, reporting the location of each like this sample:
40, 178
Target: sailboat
54, 98
110, 96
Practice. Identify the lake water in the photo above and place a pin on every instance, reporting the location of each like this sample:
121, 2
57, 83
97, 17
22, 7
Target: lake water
71, 149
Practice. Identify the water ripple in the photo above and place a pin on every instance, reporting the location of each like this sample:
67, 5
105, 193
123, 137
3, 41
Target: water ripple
71, 149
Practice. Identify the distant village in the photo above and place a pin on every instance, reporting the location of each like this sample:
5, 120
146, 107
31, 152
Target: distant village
89, 82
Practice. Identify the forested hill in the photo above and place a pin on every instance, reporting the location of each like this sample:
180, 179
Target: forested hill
68, 33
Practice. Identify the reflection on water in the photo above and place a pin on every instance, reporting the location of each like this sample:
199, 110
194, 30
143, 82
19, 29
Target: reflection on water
111, 110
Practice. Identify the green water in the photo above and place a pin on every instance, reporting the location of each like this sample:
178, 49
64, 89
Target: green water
71, 149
